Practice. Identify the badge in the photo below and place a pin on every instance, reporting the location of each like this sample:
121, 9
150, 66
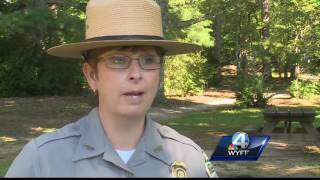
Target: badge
179, 169
209, 167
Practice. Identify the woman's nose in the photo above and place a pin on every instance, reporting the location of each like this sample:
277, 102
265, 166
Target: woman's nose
135, 71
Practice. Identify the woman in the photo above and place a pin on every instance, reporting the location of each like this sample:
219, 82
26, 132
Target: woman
124, 50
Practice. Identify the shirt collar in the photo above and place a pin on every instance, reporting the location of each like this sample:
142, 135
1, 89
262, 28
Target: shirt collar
93, 142
155, 145
93, 139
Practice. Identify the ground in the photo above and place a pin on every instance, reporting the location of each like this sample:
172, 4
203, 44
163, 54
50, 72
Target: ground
294, 155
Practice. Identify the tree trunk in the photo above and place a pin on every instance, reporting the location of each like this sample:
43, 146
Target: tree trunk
293, 72
267, 74
160, 97
39, 31
244, 63
285, 71
279, 73
297, 70
237, 40
218, 44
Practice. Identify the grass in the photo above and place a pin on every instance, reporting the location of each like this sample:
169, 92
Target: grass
198, 125
228, 121
4, 166
225, 120
193, 125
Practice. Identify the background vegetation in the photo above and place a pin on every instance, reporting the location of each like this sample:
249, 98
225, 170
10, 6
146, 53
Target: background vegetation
266, 40
260, 37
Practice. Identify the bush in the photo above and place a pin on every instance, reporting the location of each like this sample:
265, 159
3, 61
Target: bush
251, 91
26, 31
304, 88
185, 74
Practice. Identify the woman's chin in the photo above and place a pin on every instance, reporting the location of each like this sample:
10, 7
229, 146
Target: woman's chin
133, 111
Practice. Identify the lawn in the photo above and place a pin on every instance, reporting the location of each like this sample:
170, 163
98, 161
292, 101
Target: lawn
4, 167
198, 126
223, 121
227, 121
206, 128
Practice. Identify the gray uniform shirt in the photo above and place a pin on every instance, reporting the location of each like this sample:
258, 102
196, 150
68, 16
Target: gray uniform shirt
82, 149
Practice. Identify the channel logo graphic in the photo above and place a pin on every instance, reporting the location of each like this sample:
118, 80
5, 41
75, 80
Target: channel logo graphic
240, 147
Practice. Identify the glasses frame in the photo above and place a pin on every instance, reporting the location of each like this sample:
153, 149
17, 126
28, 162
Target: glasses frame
108, 57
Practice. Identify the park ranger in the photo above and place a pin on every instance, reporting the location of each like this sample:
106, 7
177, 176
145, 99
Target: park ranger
123, 50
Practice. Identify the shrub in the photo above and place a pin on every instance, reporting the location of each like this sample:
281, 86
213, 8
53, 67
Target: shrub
304, 88
185, 74
251, 91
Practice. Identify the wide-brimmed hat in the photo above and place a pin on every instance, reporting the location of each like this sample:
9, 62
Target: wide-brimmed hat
122, 23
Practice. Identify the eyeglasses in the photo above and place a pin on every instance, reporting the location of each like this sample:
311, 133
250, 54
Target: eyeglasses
146, 62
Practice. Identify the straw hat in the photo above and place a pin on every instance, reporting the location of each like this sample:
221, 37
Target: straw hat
122, 23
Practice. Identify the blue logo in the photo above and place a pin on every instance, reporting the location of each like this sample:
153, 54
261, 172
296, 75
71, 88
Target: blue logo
241, 139
240, 147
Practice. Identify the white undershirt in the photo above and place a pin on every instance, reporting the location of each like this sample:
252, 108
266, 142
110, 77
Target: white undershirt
125, 155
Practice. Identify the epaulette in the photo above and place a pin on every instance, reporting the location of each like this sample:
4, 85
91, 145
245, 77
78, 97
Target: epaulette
170, 133
69, 130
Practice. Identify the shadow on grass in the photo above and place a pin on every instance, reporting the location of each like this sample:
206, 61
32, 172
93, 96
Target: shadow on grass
24, 118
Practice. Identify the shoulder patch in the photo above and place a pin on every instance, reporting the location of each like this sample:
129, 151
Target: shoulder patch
69, 130
170, 133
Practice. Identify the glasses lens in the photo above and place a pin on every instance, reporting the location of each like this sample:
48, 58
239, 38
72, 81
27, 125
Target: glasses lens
118, 62
150, 62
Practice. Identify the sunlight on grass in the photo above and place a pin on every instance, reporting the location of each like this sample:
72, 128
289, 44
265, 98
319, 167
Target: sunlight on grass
8, 106
217, 134
278, 145
7, 139
312, 149
303, 169
269, 167
227, 121
202, 124
250, 110
43, 130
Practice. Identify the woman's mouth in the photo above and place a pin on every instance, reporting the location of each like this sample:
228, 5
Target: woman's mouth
134, 93
134, 97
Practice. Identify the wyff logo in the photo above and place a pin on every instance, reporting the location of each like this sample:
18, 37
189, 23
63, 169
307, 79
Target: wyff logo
240, 147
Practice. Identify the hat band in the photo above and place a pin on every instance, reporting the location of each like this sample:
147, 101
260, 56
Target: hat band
125, 37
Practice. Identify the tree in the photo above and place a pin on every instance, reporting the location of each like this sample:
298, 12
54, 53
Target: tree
265, 35
27, 29
160, 97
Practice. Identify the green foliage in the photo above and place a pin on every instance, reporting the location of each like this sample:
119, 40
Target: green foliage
251, 91
293, 33
27, 29
185, 75
304, 88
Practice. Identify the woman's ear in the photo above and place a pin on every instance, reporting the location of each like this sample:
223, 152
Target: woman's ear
90, 75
